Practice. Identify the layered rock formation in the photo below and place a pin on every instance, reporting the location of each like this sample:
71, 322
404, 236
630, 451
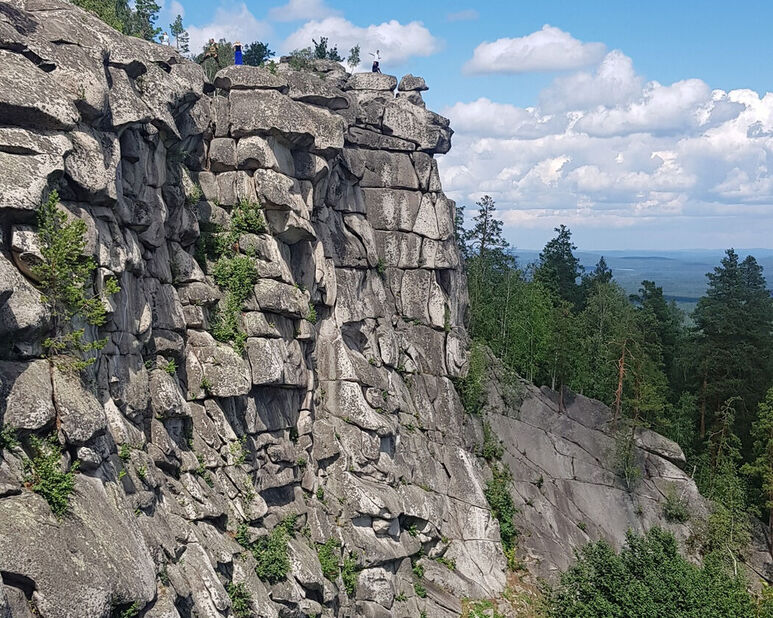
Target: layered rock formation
338, 421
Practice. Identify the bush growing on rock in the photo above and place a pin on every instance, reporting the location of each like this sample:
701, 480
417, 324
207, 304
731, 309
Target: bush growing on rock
649, 577
241, 600
45, 475
64, 276
502, 507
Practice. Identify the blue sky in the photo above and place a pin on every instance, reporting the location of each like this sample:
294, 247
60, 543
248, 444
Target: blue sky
639, 124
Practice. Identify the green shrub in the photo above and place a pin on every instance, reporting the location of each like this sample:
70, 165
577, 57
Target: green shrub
237, 276
194, 195
311, 316
247, 218
470, 388
497, 494
170, 367
64, 277
302, 59
241, 600
381, 267
418, 569
328, 558
45, 474
449, 563
8, 438
675, 508
349, 573
270, 552
649, 577
420, 590
492, 448
625, 462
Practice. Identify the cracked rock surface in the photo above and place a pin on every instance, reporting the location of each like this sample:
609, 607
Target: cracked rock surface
340, 410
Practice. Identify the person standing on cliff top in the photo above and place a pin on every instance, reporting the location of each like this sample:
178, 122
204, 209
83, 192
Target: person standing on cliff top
376, 68
238, 59
164, 39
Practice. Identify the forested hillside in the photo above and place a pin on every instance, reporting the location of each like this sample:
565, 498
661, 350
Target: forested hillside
704, 382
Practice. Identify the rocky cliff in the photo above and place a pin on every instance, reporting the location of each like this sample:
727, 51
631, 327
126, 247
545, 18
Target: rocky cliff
325, 417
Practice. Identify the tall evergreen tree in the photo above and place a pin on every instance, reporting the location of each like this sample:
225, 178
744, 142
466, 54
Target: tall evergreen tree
323, 52
143, 21
485, 238
761, 466
180, 35
257, 53
559, 269
735, 339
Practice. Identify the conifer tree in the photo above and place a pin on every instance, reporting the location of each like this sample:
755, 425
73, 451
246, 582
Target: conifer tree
257, 53
559, 269
180, 35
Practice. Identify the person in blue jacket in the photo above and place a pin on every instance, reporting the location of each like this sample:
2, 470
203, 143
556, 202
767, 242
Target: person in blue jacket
238, 53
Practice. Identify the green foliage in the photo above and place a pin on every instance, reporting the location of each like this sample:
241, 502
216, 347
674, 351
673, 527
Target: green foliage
311, 316
497, 494
735, 339
64, 276
471, 387
349, 573
449, 563
420, 590
170, 367
129, 612
246, 218
649, 577
9, 438
675, 508
626, 464
418, 569
241, 599
559, 269
46, 476
125, 452
381, 267
113, 13
301, 59
239, 451
492, 448
256, 54
194, 195
180, 35
354, 57
237, 276
328, 553
270, 552
321, 50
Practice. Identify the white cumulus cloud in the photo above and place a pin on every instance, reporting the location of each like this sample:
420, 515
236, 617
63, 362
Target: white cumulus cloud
236, 23
549, 49
296, 10
604, 149
396, 42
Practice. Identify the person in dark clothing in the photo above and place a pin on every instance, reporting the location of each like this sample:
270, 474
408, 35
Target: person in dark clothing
238, 59
376, 68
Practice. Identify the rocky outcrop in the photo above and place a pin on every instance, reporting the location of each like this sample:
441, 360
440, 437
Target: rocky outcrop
333, 420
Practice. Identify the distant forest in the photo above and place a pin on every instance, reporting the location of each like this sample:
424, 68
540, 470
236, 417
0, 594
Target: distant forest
705, 382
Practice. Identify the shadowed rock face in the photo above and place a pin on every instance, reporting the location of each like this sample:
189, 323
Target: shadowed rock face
345, 415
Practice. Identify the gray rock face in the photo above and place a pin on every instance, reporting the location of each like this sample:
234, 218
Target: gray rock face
327, 395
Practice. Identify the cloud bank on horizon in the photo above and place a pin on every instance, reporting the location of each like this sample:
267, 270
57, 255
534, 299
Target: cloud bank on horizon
602, 148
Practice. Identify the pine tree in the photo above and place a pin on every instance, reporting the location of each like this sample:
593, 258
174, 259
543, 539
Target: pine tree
486, 236
354, 57
559, 269
734, 323
761, 467
323, 52
143, 20
180, 34
256, 54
